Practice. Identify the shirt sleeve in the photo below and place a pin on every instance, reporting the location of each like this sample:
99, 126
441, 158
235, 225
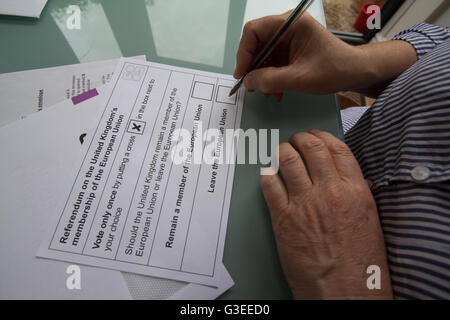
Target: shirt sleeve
424, 37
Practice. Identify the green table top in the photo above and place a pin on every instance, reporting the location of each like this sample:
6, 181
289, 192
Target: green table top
199, 34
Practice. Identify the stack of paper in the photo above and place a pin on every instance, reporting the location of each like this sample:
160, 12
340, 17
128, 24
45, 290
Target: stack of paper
91, 179
25, 8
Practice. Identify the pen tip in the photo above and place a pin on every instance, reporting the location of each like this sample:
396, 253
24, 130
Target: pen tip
233, 91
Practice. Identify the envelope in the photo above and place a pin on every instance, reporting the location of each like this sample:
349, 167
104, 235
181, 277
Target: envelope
26, 92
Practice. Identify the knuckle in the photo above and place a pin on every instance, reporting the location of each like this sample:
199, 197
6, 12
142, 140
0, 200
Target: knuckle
249, 26
308, 143
266, 182
314, 145
341, 149
265, 82
361, 188
335, 197
288, 157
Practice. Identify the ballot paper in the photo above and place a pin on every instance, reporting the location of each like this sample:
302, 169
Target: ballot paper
31, 191
130, 207
26, 92
25, 8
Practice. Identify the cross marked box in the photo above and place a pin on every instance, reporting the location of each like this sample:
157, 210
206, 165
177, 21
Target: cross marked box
203, 91
136, 127
223, 96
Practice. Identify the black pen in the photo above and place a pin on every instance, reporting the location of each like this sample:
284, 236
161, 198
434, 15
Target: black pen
270, 46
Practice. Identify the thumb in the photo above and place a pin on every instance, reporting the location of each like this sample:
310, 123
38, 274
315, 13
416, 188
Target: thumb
271, 80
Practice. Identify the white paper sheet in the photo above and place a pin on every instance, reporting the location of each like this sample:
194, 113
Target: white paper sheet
199, 292
36, 153
145, 288
26, 92
128, 212
25, 8
30, 193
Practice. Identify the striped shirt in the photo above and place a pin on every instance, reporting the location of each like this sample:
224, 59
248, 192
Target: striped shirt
402, 144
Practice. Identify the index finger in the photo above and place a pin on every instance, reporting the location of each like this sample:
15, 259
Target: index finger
256, 33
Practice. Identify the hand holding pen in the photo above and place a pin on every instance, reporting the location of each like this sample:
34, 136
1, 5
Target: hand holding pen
308, 58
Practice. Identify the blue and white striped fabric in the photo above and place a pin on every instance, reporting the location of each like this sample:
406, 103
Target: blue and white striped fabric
402, 144
351, 116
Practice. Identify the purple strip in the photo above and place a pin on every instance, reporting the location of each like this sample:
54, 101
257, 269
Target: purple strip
84, 96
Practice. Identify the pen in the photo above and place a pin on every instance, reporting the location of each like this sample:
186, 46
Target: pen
270, 46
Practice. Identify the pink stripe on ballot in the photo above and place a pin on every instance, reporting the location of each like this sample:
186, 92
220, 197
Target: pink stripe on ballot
84, 96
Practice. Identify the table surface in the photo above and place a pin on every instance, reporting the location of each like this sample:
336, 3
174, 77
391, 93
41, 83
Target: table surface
199, 34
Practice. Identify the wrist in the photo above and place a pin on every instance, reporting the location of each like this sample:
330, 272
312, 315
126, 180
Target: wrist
350, 283
381, 63
366, 72
353, 70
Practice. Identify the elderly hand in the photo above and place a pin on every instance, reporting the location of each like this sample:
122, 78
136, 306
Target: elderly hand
311, 59
326, 224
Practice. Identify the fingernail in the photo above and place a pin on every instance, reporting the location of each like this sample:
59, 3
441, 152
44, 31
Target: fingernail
314, 131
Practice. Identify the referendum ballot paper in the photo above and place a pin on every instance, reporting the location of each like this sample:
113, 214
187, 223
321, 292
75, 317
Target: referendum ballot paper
26, 92
32, 191
130, 207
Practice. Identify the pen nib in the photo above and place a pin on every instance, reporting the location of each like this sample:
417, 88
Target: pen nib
235, 88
